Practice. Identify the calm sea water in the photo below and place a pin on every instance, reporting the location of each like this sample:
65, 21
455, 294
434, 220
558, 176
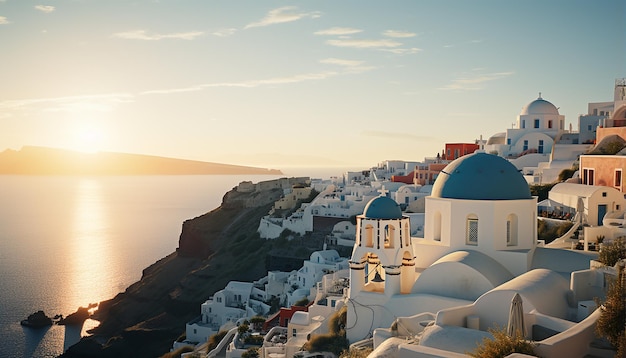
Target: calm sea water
69, 241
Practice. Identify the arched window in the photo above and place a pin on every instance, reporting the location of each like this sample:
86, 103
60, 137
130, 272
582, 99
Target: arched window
471, 230
369, 236
407, 235
390, 231
511, 230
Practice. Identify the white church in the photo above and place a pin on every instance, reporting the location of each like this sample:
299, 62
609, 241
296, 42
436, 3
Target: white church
437, 296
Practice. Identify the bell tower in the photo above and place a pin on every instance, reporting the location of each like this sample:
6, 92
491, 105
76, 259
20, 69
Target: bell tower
382, 259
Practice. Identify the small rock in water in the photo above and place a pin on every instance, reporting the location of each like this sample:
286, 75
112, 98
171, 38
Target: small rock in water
37, 320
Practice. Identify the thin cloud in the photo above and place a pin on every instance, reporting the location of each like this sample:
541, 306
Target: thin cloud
98, 102
394, 135
350, 66
403, 51
475, 82
341, 62
45, 8
224, 32
384, 43
283, 15
338, 31
250, 84
145, 36
399, 34
4, 20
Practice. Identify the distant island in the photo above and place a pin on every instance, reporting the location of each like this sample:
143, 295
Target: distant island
32, 160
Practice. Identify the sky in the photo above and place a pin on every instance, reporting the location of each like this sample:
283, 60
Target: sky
279, 84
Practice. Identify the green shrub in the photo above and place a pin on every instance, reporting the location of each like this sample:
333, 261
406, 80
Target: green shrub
613, 252
327, 343
302, 302
215, 339
243, 328
502, 345
566, 174
611, 321
335, 341
250, 353
337, 322
177, 353
356, 353
549, 232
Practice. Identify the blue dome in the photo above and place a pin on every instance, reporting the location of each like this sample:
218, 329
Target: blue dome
481, 176
382, 207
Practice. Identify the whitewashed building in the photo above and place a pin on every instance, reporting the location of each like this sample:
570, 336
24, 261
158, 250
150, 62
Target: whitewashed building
479, 248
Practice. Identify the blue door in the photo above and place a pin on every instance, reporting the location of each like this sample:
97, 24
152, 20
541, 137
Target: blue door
601, 213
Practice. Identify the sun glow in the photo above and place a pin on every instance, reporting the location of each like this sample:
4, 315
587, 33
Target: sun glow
88, 138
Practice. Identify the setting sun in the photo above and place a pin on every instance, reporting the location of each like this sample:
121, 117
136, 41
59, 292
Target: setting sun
88, 138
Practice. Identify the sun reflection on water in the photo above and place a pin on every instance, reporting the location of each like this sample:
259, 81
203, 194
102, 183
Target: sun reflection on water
90, 251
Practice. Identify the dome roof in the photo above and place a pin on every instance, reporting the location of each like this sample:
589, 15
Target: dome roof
382, 207
540, 106
481, 176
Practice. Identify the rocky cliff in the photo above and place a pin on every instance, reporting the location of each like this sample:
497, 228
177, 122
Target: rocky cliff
214, 248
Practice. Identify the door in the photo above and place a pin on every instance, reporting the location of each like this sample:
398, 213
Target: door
601, 213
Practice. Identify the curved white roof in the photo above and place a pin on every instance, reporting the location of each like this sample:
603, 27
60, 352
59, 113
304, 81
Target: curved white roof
578, 189
462, 274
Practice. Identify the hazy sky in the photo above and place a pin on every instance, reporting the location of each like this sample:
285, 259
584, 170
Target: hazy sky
284, 83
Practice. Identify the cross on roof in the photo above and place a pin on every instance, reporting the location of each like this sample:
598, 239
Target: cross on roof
382, 191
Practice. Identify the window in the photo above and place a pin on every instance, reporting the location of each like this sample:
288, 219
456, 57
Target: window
508, 141
437, 227
590, 179
293, 332
511, 230
523, 123
471, 230
369, 236
604, 194
407, 235
456, 153
589, 127
536, 123
540, 147
617, 182
525, 148
550, 124
389, 236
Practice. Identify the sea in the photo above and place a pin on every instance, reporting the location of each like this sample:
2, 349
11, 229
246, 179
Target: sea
69, 241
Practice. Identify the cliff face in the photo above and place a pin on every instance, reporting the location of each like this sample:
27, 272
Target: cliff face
214, 249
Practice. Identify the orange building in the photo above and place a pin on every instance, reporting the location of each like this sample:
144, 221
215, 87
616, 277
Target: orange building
456, 150
606, 170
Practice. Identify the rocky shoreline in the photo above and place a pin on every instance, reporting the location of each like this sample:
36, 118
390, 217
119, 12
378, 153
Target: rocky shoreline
39, 319
214, 248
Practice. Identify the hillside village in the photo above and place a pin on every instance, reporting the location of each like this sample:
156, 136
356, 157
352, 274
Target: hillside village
442, 249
